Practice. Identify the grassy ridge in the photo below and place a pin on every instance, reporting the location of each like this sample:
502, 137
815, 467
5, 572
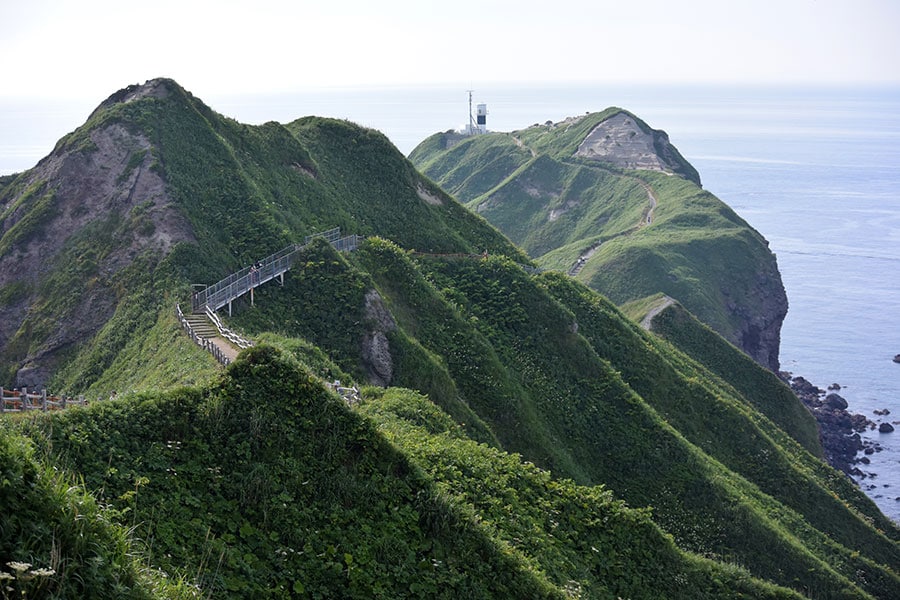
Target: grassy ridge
536, 373
302, 497
588, 543
246, 191
651, 232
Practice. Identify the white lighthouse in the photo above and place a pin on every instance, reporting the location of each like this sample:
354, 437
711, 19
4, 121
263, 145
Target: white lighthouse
478, 120
481, 118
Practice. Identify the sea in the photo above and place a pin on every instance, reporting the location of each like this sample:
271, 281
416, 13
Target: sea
815, 169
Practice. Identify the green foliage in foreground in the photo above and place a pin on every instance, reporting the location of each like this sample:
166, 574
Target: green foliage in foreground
266, 485
589, 544
56, 541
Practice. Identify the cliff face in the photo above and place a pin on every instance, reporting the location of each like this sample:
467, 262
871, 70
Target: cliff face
620, 140
760, 316
70, 228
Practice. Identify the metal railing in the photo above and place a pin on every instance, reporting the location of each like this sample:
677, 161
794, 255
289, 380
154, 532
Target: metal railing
237, 284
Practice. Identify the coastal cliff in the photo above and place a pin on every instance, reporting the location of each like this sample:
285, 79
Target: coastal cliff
612, 202
638, 464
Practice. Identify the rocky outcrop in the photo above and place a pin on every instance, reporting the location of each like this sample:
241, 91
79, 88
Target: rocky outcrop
375, 347
838, 429
758, 314
98, 182
624, 141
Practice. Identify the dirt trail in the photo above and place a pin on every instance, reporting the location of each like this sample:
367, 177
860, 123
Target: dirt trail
647, 321
227, 349
646, 219
521, 145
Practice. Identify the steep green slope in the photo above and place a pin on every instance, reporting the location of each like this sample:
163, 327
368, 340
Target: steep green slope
589, 544
559, 376
57, 542
302, 497
692, 399
601, 196
156, 191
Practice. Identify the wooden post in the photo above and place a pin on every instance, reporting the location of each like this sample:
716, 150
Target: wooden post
44, 400
24, 398
251, 299
2, 400
62, 401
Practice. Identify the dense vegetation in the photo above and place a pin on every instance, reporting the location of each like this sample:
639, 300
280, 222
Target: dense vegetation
640, 232
529, 441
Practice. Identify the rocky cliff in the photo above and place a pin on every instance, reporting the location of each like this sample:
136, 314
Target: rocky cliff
620, 140
72, 227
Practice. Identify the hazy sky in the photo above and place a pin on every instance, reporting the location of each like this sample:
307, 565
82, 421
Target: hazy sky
61, 58
90, 48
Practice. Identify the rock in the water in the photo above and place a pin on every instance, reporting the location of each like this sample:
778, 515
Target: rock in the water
859, 423
897, 358
835, 401
885, 428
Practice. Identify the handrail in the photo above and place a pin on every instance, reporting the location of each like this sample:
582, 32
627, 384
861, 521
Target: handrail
228, 334
21, 401
237, 284
201, 341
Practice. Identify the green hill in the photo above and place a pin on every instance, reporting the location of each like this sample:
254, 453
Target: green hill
524, 438
611, 201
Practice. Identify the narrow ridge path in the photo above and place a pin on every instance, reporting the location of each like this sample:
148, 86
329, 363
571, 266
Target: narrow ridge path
646, 219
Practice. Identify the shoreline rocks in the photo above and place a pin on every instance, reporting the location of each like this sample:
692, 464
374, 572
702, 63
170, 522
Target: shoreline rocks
839, 429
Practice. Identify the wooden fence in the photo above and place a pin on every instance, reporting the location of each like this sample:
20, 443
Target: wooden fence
206, 343
226, 333
23, 400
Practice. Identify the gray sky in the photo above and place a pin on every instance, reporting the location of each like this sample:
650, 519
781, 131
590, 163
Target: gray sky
91, 48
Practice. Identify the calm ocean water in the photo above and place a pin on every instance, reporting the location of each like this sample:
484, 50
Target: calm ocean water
816, 171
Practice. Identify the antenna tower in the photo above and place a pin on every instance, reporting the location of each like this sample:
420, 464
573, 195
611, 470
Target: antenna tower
471, 128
